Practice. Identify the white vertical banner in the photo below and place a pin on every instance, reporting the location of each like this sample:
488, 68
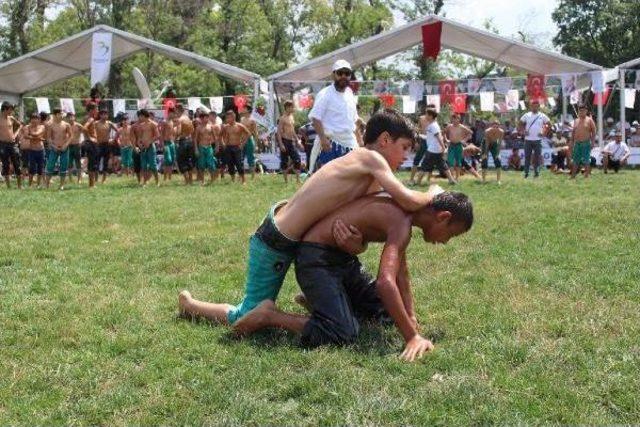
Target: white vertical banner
118, 106
569, 82
408, 105
552, 101
100, 57
512, 99
435, 101
42, 104
66, 105
574, 97
523, 106
487, 100
629, 98
416, 90
216, 103
597, 81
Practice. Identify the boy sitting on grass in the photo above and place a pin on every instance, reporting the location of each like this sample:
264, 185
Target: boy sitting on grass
336, 288
272, 248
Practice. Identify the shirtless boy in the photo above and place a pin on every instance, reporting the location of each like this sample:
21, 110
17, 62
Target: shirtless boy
250, 146
206, 137
168, 133
90, 145
146, 134
421, 146
457, 134
335, 284
9, 151
289, 143
75, 147
185, 150
492, 140
584, 136
272, 248
103, 136
36, 132
126, 144
59, 136
234, 136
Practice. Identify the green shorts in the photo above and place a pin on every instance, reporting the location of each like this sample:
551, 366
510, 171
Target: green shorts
52, 159
454, 157
249, 152
169, 155
582, 153
148, 159
270, 255
206, 160
126, 154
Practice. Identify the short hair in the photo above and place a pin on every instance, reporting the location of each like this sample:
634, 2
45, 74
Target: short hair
56, 111
455, 115
203, 115
34, 116
179, 107
71, 114
44, 116
103, 111
143, 113
389, 120
288, 103
431, 112
7, 106
230, 112
171, 110
583, 107
458, 204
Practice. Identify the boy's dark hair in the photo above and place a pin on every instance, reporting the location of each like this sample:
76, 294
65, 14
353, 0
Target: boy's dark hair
458, 204
56, 111
44, 116
230, 112
102, 111
456, 115
388, 120
583, 106
288, 104
6, 106
431, 112
143, 113
203, 115
34, 116
91, 106
179, 107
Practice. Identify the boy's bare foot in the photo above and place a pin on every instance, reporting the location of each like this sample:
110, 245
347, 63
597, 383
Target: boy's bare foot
184, 301
255, 319
301, 300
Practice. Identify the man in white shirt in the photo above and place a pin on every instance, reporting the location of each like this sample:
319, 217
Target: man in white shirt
433, 158
334, 115
615, 154
533, 125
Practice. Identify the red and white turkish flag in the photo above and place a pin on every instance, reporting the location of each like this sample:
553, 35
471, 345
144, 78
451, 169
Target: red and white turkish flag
431, 34
535, 87
460, 103
448, 91
601, 98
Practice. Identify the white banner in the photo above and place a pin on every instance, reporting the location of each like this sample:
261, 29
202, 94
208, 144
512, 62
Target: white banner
100, 58
408, 105
486, 101
522, 105
416, 90
42, 104
569, 83
66, 105
435, 101
118, 106
552, 101
216, 103
597, 81
512, 99
629, 98
503, 85
473, 86
574, 98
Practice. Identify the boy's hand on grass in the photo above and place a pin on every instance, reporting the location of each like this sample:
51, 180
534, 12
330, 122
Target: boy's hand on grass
348, 238
416, 348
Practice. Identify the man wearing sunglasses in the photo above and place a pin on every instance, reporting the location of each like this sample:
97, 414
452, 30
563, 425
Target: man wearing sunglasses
334, 117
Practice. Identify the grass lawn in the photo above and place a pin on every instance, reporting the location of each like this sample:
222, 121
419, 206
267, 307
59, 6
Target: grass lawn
535, 313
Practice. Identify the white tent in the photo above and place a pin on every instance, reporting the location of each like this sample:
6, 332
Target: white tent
629, 65
459, 37
72, 57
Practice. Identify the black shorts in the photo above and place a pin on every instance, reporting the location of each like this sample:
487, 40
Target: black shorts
220, 158
185, 155
137, 164
104, 152
291, 153
24, 158
434, 160
10, 153
91, 151
114, 149
234, 159
338, 291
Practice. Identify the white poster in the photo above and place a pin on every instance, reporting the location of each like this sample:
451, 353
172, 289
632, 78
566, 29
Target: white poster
597, 81
502, 85
408, 105
118, 106
574, 98
264, 87
66, 105
416, 90
522, 105
552, 102
194, 103
512, 99
629, 98
569, 83
435, 101
216, 103
100, 58
487, 100
473, 86
42, 104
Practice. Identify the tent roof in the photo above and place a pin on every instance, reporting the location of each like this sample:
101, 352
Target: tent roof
455, 36
634, 63
72, 56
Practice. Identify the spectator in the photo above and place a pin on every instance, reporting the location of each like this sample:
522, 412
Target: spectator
634, 136
560, 147
533, 125
514, 160
615, 154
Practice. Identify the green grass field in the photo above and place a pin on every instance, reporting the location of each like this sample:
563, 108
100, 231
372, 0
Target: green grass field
535, 313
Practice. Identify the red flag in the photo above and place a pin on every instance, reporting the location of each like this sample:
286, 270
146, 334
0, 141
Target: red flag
448, 90
460, 103
535, 87
601, 98
168, 103
240, 101
387, 99
431, 40
305, 102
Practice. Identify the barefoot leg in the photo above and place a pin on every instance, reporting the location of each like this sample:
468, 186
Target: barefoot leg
190, 306
267, 315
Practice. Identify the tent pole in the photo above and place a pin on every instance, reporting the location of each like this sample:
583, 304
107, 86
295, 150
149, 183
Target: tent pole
623, 112
256, 91
21, 108
600, 123
271, 110
564, 108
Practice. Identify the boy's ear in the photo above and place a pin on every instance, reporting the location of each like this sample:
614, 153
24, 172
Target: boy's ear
443, 216
384, 138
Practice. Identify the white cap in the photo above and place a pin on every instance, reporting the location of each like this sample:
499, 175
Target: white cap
633, 130
609, 120
612, 133
635, 123
340, 64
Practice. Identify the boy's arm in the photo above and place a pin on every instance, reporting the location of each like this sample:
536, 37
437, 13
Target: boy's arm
387, 287
409, 200
441, 141
404, 284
